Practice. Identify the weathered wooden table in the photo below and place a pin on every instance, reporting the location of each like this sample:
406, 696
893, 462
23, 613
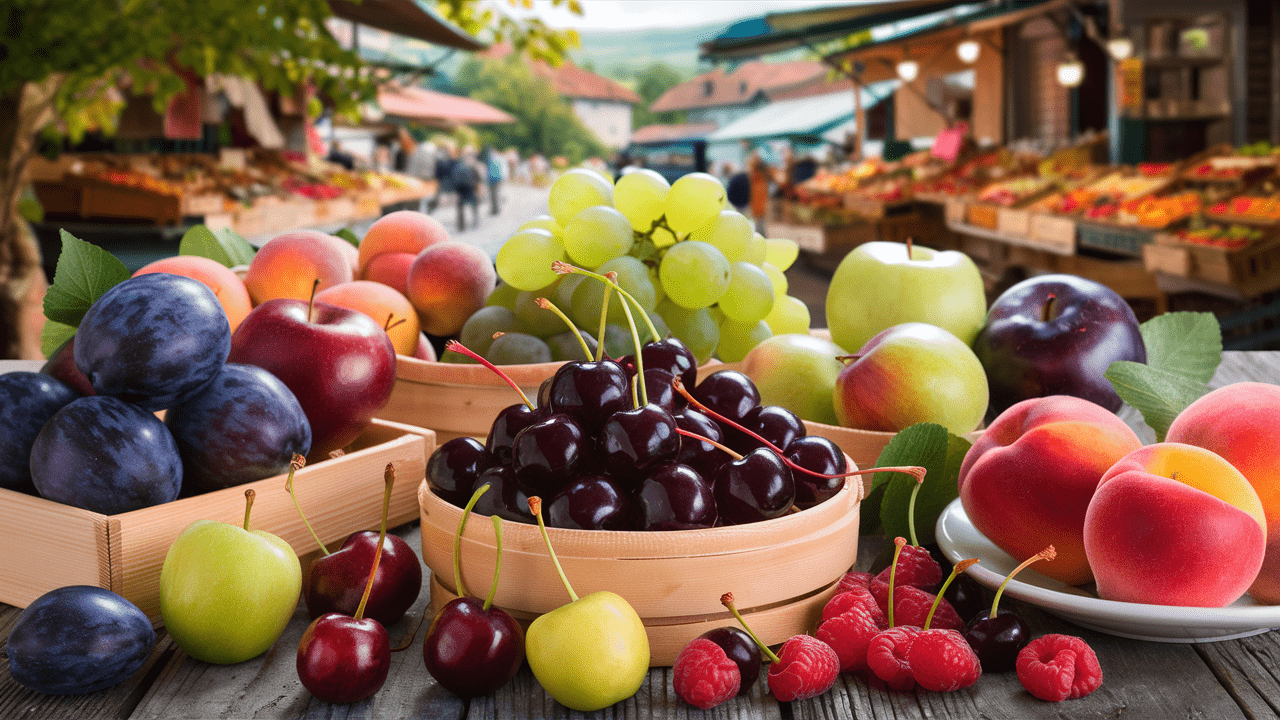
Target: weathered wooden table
1230, 679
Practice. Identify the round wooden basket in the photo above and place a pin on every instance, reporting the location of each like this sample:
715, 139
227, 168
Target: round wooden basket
781, 572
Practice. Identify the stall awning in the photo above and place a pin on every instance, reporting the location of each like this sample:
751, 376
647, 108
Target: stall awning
411, 18
657, 134
802, 117
416, 103
778, 32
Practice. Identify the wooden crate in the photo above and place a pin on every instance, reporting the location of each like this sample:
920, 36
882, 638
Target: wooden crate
955, 210
1113, 237
983, 216
810, 238
1013, 221
1055, 233
105, 199
46, 545
1249, 271
202, 204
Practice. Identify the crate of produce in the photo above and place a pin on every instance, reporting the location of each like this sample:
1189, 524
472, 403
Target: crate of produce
983, 216
1113, 237
1244, 259
46, 545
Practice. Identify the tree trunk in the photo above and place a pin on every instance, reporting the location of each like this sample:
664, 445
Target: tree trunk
20, 266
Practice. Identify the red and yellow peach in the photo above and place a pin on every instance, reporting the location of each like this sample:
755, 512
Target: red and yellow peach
449, 281
403, 231
225, 284
288, 266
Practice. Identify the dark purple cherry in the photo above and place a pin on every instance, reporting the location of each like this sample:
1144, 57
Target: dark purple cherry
742, 650
774, 423
755, 487
342, 659
699, 455
544, 394
632, 441
673, 356
337, 581
660, 388
590, 391
470, 650
673, 497
823, 456
548, 453
997, 641
967, 596
590, 502
509, 422
729, 393
453, 468
505, 498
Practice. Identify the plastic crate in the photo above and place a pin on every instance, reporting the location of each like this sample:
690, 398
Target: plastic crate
1114, 238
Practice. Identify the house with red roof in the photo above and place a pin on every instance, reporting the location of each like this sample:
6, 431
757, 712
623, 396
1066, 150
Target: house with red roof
719, 97
603, 105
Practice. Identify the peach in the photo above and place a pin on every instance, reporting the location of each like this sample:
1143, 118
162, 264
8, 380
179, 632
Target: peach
384, 304
1027, 482
1238, 422
288, 266
1174, 524
402, 231
449, 281
348, 251
390, 269
221, 279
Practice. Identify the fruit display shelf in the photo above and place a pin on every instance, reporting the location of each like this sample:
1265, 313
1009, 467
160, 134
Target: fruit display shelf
781, 571
1246, 264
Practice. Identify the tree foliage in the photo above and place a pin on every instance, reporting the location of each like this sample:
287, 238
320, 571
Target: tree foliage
650, 83
545, 122
530, 36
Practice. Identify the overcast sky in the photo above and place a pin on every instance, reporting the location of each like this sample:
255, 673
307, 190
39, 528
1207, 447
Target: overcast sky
633, 14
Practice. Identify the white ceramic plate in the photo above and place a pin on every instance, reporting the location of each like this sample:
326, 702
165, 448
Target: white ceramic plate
959, 539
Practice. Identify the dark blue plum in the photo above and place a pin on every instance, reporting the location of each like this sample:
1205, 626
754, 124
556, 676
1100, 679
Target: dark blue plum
28, 400
78, 639
245, 425
103, 454
153, 340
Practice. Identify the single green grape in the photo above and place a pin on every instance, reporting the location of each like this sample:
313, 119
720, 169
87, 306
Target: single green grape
749, 296
633, 276
597, 234
694, 200
516, 348
729, 231
737, 339
694, 274
563, 296
576, 191
695, 328
781, 253
543, 222
535, 320
640, 195
477, 332
565, 347
757, 250
777, 277
503, 295
524, 260
789, 316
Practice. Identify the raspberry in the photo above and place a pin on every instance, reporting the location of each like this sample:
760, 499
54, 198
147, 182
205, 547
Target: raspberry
806, 667
916, 567
941, 660
887, 657
849, 634
911, 606
1059, 667
852, 579
703, 674
857, 597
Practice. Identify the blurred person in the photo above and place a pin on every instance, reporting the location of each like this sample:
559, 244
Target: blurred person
495, 173
759, 176
466, 183
737, 188
339, 156
445, 162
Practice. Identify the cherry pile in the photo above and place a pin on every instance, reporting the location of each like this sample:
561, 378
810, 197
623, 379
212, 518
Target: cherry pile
612, 453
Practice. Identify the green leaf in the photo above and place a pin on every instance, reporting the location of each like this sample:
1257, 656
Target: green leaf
1186, 343
940, 453
346, 234
83, 274
1158, 394
53, 335
223, 245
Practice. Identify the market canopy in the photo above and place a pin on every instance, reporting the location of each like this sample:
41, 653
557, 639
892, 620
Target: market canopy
657, 134
802, 117
778, 32
418, 103
411, 18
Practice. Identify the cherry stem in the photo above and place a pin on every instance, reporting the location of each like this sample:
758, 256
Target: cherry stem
561, 267
535, 507
729, 451
248, 505
295, 465
1046, 554
911, 511
604, 320
635, 341
727, 601
389, 476
458, 347
546, 304
914, 471
898, 543
457, 540
497, 563
937, 600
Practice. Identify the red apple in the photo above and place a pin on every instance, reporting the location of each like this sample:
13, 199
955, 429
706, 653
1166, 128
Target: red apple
339, 363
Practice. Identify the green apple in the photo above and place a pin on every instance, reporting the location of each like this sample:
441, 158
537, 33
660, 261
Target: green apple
590, 653
227, 592
911, 373
876, 286
797, 372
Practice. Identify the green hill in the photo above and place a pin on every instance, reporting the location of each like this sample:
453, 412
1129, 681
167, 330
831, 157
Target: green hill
619, 53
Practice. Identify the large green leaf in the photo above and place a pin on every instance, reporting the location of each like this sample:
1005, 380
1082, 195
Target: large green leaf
223, 245
83, 274
1158, 394
930, 446
1186, 343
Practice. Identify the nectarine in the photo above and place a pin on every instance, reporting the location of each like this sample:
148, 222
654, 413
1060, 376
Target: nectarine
449, 281
221, 279
402, 231
288, 265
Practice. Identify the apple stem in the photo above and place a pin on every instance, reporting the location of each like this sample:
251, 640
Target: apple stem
311, 301
898, 543
847, 358
457, 540
295, 465
911, 511
546, 304
561, 267
1046, 554
728, 451
389, 475
909, 247
535, 507
727, 601
497, 563
956, 570
248, 505
458, 347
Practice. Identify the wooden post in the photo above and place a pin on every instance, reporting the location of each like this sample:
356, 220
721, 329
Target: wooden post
860, 119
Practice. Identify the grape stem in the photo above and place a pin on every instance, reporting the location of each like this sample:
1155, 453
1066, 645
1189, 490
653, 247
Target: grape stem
458, 347
546, 304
